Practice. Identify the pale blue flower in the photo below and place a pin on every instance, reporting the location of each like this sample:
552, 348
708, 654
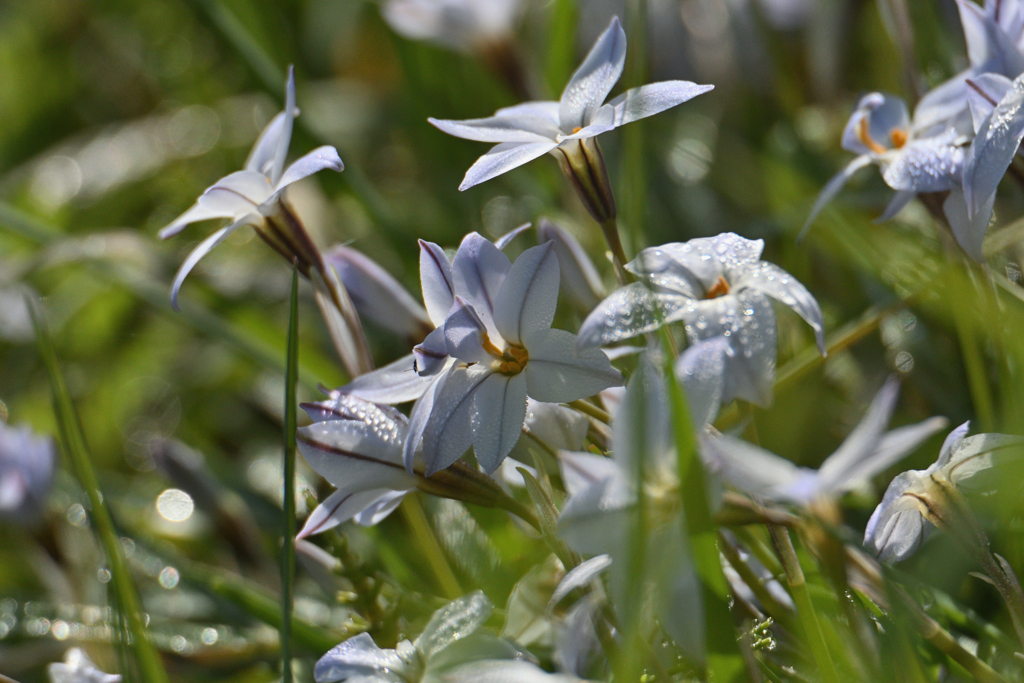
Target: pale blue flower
78, 668
26, 472
463, 25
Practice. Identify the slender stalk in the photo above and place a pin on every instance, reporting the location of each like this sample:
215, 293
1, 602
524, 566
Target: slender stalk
610, 228
290, 418
773, 607
72, 438
424, 534
981, 393
590, 410
804, 607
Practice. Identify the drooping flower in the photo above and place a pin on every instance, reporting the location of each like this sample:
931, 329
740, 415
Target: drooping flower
451, 649
866, 452
255, 196
908, 511
567, 129
717, 286
78, 668
504, 349
26, 471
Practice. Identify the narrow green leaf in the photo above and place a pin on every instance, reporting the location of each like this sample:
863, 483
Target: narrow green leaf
72, 439
562, 41
290, 418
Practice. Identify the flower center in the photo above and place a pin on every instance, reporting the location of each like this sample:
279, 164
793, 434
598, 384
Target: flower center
577, 129
511, 361
720, 288
898, 136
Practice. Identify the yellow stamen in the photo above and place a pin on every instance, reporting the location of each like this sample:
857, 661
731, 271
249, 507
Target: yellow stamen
898, 137
489, 347
864, 135
577, 129
720, 288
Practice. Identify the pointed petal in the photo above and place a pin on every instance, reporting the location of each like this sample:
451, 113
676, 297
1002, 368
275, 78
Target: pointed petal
454, 621
629, 311
465, 332
529, 294
377, 295
478, 270
984, 92
896, 445
503, 158
396, 382
340, 507
204, 248
594, 79
232, 196
204, 211
993, 149
357, 657
499, 409
378, 510
509, 236
952, 443
325, 157
980, 453
354, 456
517, 127
969, 231
341, 406
928, 165
431, 354
436, 281
896, 204
651, 99
750, 468
284, 139
558, 373
560, 427
420, 416
504, 671
449, 431
579, 576
769, 279
545, 109
896, 528
832, 188
579, 277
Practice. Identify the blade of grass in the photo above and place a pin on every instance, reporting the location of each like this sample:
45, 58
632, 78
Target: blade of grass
424, 534
291, 382
562, 45
72, 437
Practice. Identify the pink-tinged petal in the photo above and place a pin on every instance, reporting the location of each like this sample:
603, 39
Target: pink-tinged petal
503, 158
781, 286
431, 354
528, 297
436, 281
594, 79
558, 373
232, 196
832, 188
505, 128
465, 332
396, 382
648, 100
579, 277
204, 248
499, 409
478, 270
321, 158
449, 431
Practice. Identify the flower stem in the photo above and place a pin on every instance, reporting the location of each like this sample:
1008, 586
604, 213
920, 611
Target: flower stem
590, 410
610, 228
804, 607
290, 418
424, 534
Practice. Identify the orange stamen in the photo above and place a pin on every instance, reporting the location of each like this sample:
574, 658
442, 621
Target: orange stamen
577, 129
864, 135
720, 288
898, 137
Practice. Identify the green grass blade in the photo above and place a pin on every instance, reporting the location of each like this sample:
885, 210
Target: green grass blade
72, 438
561, 57
290, 418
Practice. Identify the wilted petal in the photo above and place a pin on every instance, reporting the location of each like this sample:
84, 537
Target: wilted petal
630, 311
895, 205
396, 382
321, 158
357, 657
503, 158
993, 148
377, 295
832, 188
648, 100
449, 430
703, 368
594, 79
558, 373
431, 355
580, 279
436, 281
518, 127
969, 231
454, 621
204, 248
499, 409
478, 270
781, 286
526, 302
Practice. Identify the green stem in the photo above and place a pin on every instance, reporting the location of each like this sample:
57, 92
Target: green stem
290, 419
981, 394
148, 660
804, 607
590, 410
610, 228
424, 534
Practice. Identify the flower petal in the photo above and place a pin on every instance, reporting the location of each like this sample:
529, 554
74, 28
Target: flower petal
325, 157
627, 312
579, 576
832, 188
594, 79
558, 373
750, 468
648, 100
420, 416
204, 248
927, 165
341, 406
528, 296
232, 196
465, 332
436, 282
883, 113
357, 657
449, 431
984, 92
503, 158
478, 270
356, 456
993, 148
396, 382
897, 528
454, 621
379, 509
642, 438
342, 506
499, 409
952, 443
284, 138
431, 354
545, 109
781, 286
899, 200
703, 368
509, 236
517, 127
969, 231
579, 277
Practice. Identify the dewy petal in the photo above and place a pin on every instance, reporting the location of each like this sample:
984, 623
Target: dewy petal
781, 286
354, 456
232, 196
420, 416
993, 148
693, 267
703, 369
377, 295
285, 137
499, 409
449, 431
357, 657
832, 188
478, 270
505, 128
528, 297
558, 373
503, 158
984, 92
969, 231
454, 621
319, 159
396, 382
630, 311
431, 354
204, 248
436, 281
579, 277
594, 79
464, 334
348, 407
928, 165
648, 100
